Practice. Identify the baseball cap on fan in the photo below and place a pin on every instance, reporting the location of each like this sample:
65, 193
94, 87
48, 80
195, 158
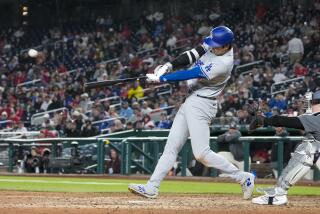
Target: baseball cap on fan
219, 36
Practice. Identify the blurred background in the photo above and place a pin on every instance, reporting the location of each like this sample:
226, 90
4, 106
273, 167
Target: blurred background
92, 40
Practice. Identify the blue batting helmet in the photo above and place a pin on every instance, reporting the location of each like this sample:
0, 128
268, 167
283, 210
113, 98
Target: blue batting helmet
219, 36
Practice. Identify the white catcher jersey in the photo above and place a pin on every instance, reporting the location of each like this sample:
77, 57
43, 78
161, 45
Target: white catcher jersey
217, 70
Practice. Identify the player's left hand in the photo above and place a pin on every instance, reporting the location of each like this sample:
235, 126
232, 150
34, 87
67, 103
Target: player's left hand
153, 78
163, 69
156, 71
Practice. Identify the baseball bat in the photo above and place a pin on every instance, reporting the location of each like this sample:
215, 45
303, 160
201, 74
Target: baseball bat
106, 83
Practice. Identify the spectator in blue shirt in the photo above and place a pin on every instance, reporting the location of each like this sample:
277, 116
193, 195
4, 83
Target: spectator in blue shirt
278, 102
126, 111
162, 102
164, 122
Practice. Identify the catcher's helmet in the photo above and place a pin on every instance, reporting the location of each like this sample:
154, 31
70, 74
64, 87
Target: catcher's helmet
219, 36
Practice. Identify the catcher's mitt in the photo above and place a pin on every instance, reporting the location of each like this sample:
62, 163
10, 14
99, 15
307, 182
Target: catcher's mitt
252, 107
257, 118
256, 122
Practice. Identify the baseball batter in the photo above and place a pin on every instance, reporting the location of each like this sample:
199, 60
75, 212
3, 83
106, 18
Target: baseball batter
304, 157
212, 63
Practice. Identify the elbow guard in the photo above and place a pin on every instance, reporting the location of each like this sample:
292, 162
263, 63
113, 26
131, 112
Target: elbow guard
188, 57
195, 53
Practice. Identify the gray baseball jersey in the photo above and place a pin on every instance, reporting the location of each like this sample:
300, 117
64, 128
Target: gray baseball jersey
217, 70
311, 124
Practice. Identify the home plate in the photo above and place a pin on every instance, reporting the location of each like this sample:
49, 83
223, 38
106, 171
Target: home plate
142, 202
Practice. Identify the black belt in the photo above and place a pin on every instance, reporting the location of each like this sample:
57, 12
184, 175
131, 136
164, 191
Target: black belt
210, 98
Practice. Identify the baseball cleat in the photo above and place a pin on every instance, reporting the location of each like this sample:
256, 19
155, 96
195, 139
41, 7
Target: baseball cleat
247, 185
143, 190
270, 200
272, 196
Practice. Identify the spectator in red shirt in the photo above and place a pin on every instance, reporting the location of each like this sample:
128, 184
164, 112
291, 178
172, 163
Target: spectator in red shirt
19, 78
45, 76
14, 117
261, 11
8, 109
261, 156
62, 68
300, 70
126, 32
76, 101
20, 111
46, 133
135, 63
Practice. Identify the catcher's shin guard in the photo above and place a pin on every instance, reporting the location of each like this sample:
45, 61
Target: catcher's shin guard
299, 164
317, 155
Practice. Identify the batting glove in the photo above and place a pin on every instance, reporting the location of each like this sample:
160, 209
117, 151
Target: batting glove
153, 78
257, 122
163, 69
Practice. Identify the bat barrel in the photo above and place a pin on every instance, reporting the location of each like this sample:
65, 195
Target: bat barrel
106, 83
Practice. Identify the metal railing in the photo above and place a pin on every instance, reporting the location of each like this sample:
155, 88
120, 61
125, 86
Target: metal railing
224, 121
163, 89
115, 99
246, 68
109, 61
147, 51
108, 122
52, 143
129, 145
17, 134
156, 113
283, 86
6, 121
32, 82
41, 114
149, 148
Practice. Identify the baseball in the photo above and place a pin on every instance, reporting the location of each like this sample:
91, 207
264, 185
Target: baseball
33, 53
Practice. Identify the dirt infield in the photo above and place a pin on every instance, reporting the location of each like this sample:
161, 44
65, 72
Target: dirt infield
42, 202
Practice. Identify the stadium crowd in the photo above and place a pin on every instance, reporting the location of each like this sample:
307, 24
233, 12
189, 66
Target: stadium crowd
286, 38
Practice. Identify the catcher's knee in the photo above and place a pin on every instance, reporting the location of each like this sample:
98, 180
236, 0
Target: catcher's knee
298, 166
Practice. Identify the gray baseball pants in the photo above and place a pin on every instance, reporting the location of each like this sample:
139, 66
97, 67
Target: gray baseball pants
193, 119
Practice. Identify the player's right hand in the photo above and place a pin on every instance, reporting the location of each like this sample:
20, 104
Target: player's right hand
163, 69
156, 70
153, 78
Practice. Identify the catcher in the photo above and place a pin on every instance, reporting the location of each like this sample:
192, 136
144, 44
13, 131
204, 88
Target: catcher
305, 155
